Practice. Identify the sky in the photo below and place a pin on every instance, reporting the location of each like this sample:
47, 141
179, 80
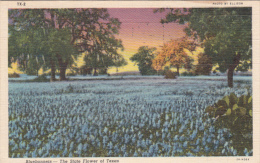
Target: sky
142, 27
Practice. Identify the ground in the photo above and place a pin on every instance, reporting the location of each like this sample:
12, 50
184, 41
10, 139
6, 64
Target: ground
130, 117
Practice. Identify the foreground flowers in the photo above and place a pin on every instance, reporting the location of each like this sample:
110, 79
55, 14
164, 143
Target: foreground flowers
128, 118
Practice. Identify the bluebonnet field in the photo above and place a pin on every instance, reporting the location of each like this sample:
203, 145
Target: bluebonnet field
119, 118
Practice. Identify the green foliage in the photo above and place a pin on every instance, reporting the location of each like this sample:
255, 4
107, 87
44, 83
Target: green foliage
231, 110
187, 74
28, 47
60, 43
102, 71
71, 74
68, 89
120, 61
235, 113
225, 33
41, 78
57, 36
144, 58
170, 75
13, 75
237, 105
204, 65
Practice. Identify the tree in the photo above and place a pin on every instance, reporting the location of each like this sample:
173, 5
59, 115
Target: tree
119, 61
104, 54
225, 33
26, 26
144, 58
173, 53
62, 48
204, 65
26, 48
84, 29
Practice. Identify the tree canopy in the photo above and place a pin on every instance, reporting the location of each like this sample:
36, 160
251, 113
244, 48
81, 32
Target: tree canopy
225, 33
67, 33
144, 58
173, 53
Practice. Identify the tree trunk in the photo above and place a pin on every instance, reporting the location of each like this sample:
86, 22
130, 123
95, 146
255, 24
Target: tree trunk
63, 72
63, 67
230, 77
178, 70
231, 69
95, 72
52, 79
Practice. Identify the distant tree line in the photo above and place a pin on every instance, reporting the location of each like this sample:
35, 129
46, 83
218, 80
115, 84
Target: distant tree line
172, 55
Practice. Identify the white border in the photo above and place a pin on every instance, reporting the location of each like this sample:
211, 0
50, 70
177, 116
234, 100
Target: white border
4, 5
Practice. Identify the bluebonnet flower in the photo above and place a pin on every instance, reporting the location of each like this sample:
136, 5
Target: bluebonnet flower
193, 135
185, 144
209, 140
182, 138
11, 142
246, 152
235, 152
116, 149
110, 153
201, 128
189, 154
110, 145
125, 154
226, 145
207, 149
203, 141
123, 148
135, 154
79, 149
84, 120
198, 141
64, 152
27, 147
145, 154
196, 150
163, 135
176, 138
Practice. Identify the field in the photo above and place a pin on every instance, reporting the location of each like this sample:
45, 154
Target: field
120, 118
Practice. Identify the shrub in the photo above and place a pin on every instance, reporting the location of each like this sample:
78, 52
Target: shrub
170, 75
187, 74
232, 105
31, 72
41, 78
71, 74
13, 75
102, 71
235, 113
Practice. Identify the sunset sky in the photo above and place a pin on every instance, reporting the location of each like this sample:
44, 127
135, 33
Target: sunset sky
142, 27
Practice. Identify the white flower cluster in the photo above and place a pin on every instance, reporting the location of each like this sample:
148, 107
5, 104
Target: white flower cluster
126, 118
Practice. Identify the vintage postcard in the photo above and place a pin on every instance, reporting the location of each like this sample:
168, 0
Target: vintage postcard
128, 81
